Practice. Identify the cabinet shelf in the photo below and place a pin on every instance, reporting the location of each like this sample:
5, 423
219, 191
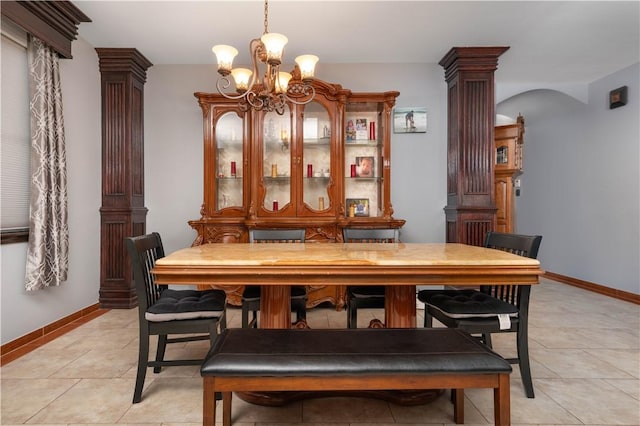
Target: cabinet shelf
276, 179
367, 179
317, 142
363, 142
230, 144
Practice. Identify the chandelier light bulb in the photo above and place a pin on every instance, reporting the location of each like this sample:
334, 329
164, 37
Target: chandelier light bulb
224, 55
307, 65
274, 46
283, 82
241, 77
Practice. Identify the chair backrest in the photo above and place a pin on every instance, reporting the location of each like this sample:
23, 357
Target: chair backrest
143, 251
276, 235
522, 245
380, 235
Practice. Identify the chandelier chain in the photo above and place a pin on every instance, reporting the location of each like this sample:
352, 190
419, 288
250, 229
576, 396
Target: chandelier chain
266, 16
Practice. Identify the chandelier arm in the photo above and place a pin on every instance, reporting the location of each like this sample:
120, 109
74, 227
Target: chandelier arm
270, 80
279, 103
255, 101
256, 48
224, 83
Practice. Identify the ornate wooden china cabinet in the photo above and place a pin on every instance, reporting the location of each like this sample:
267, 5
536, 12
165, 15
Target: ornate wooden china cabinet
323, 166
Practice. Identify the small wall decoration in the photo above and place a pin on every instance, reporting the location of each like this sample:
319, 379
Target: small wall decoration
618, 97
410, 120
358, 207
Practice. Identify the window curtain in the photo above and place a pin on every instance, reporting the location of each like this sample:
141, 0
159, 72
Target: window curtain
48, 249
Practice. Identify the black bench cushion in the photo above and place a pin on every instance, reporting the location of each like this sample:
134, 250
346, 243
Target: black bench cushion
466, 303
187, 304
295, 352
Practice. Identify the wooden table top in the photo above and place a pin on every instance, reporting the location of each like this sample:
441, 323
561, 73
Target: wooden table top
371, 263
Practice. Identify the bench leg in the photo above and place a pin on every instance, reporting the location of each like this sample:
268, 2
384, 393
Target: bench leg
208, 402
502, 401
457, 395
226, 408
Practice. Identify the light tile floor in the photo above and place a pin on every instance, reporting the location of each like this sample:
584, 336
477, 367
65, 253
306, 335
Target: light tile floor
585, 351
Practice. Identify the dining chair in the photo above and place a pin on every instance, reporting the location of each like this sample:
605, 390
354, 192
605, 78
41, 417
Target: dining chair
251, 294
192, 314
366, 296
492, 308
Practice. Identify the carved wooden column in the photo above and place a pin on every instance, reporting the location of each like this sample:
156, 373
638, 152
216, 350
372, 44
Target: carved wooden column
123, 213
470, 210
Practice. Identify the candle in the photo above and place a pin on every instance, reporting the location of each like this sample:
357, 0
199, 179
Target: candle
372, 131
275, 205
233, 169
320, 203
309, 170
274, 170
353, 170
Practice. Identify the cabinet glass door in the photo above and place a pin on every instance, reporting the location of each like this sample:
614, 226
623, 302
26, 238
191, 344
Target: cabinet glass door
364, 168
229, 165
316, 156
276, 160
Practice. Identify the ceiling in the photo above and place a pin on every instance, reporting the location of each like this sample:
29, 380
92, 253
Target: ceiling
551, 42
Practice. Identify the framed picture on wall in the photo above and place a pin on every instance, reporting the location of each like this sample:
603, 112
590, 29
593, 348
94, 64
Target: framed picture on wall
410, 120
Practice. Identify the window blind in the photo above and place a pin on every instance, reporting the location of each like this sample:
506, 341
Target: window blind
14, 132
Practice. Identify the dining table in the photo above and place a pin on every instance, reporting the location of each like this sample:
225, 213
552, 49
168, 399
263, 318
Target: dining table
400, 267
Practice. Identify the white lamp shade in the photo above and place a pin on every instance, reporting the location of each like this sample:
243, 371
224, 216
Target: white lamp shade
241, 77
224, 55
283, 81
307, 65
274, 45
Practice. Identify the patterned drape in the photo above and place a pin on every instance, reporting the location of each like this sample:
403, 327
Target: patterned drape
48, 250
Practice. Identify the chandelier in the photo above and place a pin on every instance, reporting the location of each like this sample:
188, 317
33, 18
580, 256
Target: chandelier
276, 87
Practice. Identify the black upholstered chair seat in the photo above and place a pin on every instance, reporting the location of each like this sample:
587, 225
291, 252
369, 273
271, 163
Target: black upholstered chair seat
466, 304
366, 291
252, 292
186, 304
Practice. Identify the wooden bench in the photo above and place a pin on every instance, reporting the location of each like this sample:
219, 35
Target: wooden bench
352, 359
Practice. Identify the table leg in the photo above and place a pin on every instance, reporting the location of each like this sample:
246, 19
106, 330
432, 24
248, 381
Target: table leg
400, 306
275, 306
